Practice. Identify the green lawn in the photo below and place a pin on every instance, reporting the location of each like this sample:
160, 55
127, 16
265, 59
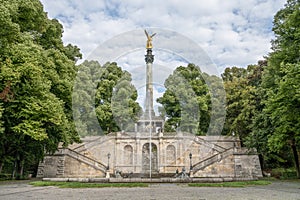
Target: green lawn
86, 185
100, 185
231, 184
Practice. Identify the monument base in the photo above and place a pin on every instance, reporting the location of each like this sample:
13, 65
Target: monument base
212, 157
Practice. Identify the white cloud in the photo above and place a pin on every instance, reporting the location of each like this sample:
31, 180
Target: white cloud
233, 33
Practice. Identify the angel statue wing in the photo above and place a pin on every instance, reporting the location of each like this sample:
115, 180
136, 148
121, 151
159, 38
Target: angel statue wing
149, 40
146, 34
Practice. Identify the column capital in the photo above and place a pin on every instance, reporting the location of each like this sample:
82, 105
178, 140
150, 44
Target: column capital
149, 58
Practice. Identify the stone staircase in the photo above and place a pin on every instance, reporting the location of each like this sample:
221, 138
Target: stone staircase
90, 144
87, 160
60, 166
201, 141
212, 159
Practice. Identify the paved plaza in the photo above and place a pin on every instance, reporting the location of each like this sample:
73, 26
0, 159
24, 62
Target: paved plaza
277, 190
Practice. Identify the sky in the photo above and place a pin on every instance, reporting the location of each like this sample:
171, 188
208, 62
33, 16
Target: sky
232, 32
229, 32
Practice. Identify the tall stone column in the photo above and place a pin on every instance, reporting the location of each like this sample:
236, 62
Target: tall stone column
149, 58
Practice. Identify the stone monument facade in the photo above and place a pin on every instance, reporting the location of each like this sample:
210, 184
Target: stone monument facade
151, 151
212, 156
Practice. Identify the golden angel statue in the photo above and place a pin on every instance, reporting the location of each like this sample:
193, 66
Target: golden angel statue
149, 41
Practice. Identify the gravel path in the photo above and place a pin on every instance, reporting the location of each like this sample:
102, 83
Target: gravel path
277, 190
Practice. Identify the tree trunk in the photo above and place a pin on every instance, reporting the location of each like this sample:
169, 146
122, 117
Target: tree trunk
296, 158
262, 162
20, 169
1, 166
14, 170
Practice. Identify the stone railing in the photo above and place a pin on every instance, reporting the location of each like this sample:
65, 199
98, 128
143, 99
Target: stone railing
212, 159
87, 160
90, 144
210, 144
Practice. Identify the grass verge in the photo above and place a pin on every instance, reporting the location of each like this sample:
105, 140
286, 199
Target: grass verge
231, 184
101, 185
86, 185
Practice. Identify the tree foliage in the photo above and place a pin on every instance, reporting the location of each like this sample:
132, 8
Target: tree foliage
275, 126
286, 45
104, 93
284, 108
36, 81
186, 100
243, 99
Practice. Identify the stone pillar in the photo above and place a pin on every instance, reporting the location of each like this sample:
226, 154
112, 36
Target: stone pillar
107, 174
160, 155
180, 153
118, 156
138, 157
149, 58
135, 127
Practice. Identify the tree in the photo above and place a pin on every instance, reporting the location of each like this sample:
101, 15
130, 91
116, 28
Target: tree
83, 98
104, 93
272, 124
125, 109
116, 106
36, 83
235, 83
243, 100
283, 63
284, 109
286, 45
186, 101
246, 116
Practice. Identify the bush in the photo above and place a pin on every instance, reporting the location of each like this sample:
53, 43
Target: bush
282, 173
4, 177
